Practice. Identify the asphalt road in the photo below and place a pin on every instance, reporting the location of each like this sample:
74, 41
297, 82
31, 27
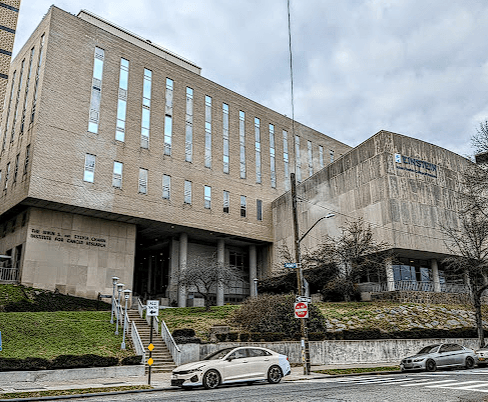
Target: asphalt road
442, 386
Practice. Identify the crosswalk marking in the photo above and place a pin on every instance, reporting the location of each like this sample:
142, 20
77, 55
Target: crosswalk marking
454, 383
425, 382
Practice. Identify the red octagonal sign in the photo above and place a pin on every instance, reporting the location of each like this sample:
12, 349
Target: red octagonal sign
301, 310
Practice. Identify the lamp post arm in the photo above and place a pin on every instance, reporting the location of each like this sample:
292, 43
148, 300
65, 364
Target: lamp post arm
311, 227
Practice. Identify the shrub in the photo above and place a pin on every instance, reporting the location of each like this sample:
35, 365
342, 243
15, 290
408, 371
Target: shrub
316, 336
244, 337
221, 337
71, 361
30, 363
187, 339
131, 360
184, 333
273, 336
232, 336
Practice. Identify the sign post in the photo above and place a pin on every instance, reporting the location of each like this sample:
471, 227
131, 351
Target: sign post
152, 310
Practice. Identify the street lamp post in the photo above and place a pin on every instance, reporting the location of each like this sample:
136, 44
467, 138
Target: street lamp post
114, 284
127, 293
255, 280
120, 286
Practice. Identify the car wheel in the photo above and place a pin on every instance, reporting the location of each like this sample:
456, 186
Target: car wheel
469, 363
430, 365
274, 375
211, 379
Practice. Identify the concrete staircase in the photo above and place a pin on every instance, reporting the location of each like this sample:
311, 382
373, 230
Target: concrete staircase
163, 362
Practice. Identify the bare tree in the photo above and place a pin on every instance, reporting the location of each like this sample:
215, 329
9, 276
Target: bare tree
347, 258
206, 274
479, 141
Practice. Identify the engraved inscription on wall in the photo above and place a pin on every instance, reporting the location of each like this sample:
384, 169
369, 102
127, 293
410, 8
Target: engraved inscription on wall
69, 238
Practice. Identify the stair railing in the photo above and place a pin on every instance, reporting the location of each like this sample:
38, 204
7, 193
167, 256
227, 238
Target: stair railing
170, 344
140, 307
136, 340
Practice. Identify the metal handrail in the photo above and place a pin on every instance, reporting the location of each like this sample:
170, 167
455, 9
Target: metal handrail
9, 274
140, 308
170, 343
136, 340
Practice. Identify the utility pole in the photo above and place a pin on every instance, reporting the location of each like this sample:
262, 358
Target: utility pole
298, 259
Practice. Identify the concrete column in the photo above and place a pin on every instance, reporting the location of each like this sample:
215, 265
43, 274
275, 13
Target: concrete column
390, 279
435, 275
253, 270
221, 262
150, 275
173, 271
182, 268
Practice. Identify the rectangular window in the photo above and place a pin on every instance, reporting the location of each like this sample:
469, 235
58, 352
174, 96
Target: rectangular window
16, 107
27, 157
5, 133
189, 125
208, 131
243, 206
257, 148
166, 187
298, 162
96, 92
16, 169
225, 129
331, 156
89, 174
24, 108
272, 155
7, 174
168, 117
122, 100
226, 202
187, 192
142, 181
259, 210
286, 160
36, 84
321, 156
242, 143
117, 174
208, 197
146, 108
310, 158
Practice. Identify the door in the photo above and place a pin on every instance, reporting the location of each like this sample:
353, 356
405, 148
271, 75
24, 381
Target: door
259, 362
445, 355
236, 366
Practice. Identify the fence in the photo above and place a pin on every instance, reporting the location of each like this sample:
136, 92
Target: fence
10, 274
419, 286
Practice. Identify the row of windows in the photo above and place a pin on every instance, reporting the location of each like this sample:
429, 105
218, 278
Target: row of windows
16, 169
89, 176
120, 126
9, 227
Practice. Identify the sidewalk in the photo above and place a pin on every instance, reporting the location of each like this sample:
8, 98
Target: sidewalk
159, 381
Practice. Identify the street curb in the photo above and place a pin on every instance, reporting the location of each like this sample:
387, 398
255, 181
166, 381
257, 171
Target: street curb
344, 375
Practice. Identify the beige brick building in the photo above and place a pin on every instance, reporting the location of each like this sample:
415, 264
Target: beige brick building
9, 13
118, 158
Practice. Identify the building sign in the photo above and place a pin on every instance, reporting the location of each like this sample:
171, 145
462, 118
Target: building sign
415, 165
77, 239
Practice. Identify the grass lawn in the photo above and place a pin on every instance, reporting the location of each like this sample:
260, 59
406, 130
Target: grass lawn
50, 334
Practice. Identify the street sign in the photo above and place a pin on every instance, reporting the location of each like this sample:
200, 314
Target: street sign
303, 299
292, 265
301, 310
152, 308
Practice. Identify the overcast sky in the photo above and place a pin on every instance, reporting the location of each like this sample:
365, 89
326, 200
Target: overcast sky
414, 67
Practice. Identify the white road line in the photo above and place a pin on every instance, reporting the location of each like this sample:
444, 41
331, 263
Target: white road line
430, 382
483, 384
457, 384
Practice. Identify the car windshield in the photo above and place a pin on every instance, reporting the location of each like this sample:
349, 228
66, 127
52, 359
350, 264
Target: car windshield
428, 349
219, 354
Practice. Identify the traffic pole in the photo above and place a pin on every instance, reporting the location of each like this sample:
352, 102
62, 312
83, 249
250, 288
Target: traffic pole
150, 350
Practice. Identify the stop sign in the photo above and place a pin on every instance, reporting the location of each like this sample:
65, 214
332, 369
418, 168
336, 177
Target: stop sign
301, 310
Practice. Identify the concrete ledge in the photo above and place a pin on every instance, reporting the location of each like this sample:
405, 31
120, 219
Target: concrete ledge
72, 374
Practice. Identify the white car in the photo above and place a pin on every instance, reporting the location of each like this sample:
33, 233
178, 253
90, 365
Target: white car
241, 364
482, 356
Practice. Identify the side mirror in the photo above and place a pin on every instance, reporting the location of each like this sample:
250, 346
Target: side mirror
229, 359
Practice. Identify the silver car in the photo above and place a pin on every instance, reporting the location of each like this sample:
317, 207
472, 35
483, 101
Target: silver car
231, 365
482, 356
440, 355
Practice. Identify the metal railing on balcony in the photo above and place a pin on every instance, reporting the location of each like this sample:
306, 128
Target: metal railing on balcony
9, 274
418, 287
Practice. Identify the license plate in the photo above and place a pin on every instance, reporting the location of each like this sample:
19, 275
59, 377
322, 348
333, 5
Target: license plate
481, 358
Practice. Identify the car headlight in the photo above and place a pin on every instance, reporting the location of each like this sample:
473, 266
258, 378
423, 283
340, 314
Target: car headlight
419, 360
194, 370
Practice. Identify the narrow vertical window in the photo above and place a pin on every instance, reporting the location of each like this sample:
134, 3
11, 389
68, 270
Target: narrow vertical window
226, 202
146, 108
168, 116
5, 132
189, 125
310, 158
16, 107
122, 100
96, 92
27, 85
286, 160
187, 192
89, 173
331, 156
117, 174
242, 143
259, 210
7, 174
36, 84
272, 155
27, 159
16, 168
208, 197
321, 156
208, 131
243, 206
257, 148
225, 133
298, 162
166, 186
142, 181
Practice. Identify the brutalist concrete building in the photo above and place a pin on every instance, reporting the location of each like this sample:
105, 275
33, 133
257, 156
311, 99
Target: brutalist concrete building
118, 158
